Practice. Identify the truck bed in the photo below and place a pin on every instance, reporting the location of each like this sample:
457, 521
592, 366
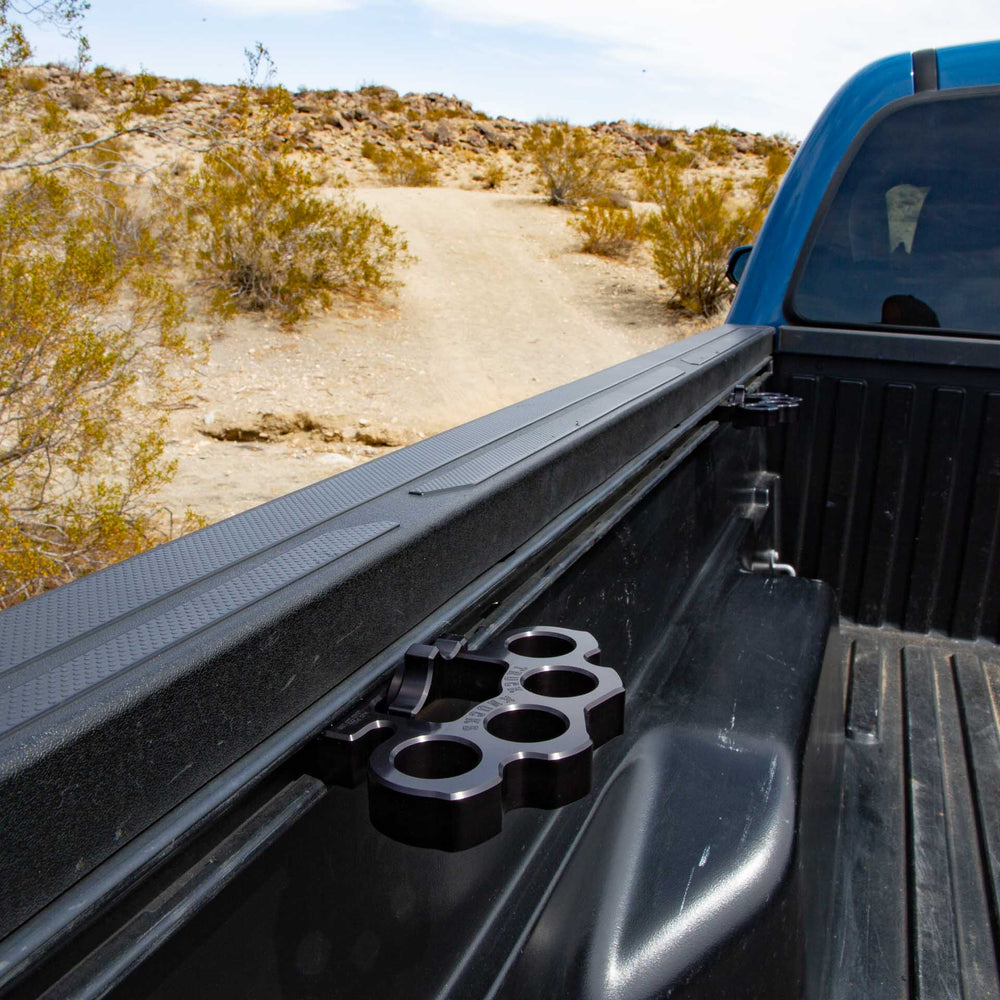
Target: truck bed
917, 890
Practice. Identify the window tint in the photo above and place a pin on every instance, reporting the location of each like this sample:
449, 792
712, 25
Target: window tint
912, 236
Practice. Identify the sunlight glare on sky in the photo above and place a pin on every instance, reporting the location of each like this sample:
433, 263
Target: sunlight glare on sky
767, 65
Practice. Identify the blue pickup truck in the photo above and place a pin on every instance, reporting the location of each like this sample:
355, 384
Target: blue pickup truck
680, 680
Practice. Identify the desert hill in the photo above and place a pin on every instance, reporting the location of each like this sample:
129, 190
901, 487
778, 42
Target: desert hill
498, 305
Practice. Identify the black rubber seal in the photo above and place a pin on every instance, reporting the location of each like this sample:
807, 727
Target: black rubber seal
925, 70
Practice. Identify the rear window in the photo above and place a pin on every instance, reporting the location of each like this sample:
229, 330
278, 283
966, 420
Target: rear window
911, 238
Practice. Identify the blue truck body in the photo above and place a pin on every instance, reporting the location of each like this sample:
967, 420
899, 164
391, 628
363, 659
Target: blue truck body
760, 297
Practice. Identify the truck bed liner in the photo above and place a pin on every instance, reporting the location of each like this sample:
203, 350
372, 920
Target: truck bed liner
918, 889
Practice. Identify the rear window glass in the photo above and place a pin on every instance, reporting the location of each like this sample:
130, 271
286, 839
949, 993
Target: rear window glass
912, 236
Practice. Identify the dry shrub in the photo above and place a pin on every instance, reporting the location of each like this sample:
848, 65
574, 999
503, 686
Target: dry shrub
401, 167
653, 181
715, 143
266, 241
32, 83
763, 189
78, 100
573, 164
81, 449
692, 234
494, 175
608, 230
438, 114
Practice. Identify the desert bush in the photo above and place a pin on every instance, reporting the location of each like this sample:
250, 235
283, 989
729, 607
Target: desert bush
105, 81
691, 236
265, 240
494, 175
437, 114
401, 167
654, 179
275, 100
764, 145
81, 448
78, 100
608, 230
32, 83
192, 88
91, 341
714, 143
572, 163
53, 118
762, 189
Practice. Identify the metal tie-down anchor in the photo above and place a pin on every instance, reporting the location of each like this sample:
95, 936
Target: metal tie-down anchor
758, 409
461, 737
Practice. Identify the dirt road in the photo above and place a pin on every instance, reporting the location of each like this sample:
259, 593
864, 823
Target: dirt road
497, 307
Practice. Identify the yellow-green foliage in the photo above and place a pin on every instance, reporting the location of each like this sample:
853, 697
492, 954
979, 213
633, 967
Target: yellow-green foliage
715, 143
266, 240
654, 179
53, 118
81, 452
276, 99
78, 100
494, 175
436, 114
763, 189
402, 167
105, 81
32, 83
692, 234
145, 100
192, 88
764, 145
573, 164
607, 230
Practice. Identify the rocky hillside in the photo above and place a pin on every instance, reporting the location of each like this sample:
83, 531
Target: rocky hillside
349, 129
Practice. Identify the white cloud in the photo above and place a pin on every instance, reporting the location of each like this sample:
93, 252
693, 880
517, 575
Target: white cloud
251, 8
784, 55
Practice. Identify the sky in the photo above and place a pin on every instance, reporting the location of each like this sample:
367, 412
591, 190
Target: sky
758, 65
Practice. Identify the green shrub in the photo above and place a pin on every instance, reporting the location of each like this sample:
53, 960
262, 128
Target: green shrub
265, 240
145, 100
83, 327
572, 163
53, 118
764, 145
714, 143
655, 179
607, 230
494, 175
32, 83
401, 167
763, 189
437, 114
692, 234
78, 100
192, 88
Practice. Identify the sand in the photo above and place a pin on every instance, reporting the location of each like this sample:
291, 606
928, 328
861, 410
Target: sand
498, 306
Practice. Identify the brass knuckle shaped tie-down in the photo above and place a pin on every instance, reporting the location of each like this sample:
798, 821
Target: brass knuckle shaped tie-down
758, 409
534, 706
